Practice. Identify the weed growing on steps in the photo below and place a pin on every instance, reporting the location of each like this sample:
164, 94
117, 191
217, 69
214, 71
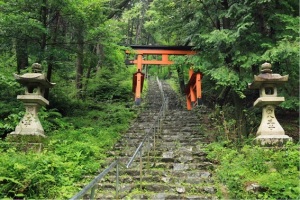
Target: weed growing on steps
275, 172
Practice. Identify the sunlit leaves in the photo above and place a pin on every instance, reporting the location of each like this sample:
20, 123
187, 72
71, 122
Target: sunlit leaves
282, 51
224, 76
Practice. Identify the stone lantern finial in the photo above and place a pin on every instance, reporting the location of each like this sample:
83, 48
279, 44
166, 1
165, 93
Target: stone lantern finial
36, 68
266, 68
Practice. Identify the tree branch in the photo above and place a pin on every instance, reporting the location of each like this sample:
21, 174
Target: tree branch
206, 9
118, 7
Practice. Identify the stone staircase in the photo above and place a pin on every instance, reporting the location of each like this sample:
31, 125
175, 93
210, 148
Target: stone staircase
178, 169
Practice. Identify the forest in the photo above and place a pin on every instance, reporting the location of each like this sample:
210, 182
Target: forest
81, 46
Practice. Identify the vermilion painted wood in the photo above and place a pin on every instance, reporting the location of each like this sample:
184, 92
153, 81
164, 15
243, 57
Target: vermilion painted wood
137, 84
193, 89
152, 62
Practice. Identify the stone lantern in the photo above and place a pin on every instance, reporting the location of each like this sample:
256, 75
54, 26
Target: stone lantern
270, 131
35, 84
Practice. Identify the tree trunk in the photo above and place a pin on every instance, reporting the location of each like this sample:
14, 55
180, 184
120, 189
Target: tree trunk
100, 55
138, 31
43, 19
128, 33
79, 61
181, 79
51, 57
240, 118
131, 32
22, 54
92, 64
225, 20
223, 95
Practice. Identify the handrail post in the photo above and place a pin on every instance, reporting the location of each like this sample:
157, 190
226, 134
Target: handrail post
117, 180
141, 169
148, 156
167, 103
158, 123
92, 195
154, 143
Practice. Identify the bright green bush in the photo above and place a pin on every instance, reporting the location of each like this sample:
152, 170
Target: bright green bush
111, 85
75, 149
35, 175
276, 171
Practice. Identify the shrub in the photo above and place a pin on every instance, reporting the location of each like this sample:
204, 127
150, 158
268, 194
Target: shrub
274, 170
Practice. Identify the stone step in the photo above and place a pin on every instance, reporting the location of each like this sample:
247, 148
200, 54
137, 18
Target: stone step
161, 146
174, 166
160, 176
171, 196
158, 188
139, 195
180, 151
154, 159
160, 139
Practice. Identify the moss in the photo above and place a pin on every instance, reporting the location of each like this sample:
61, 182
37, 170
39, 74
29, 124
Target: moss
25, 142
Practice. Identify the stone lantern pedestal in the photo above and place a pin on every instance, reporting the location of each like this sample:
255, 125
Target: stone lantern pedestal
35, 85
270, 132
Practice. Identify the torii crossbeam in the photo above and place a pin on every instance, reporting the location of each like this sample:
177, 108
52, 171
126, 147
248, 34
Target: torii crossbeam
163, 51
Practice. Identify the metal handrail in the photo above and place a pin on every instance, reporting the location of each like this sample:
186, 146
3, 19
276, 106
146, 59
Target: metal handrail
136, 152
160, 114
92, 185
145, 138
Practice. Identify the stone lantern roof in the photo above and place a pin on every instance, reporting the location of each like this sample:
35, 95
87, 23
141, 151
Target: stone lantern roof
267, 77
33, 78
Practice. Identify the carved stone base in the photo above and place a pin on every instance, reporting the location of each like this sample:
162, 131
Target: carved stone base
30, 123
270, 132
269, 124
272, 140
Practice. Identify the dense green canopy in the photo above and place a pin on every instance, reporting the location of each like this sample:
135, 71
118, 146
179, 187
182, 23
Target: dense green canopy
81, 46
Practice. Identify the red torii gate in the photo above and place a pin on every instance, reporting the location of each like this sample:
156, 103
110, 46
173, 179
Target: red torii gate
193, 89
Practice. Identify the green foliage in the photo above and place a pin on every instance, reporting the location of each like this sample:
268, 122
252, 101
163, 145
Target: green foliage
52, 120
10, 109
233, 40
274, 170
226, 128
9, 123
79, 133
75, 147
111, 85
8, 86
36, 175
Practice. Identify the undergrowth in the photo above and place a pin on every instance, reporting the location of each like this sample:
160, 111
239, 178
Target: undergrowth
74, 150
253, 172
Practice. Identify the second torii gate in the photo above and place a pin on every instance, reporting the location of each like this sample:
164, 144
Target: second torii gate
165, 52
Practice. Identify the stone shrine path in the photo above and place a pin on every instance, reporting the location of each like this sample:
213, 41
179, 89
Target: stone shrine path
178, 170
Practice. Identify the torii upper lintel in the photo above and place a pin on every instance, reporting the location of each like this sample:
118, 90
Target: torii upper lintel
164, 51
